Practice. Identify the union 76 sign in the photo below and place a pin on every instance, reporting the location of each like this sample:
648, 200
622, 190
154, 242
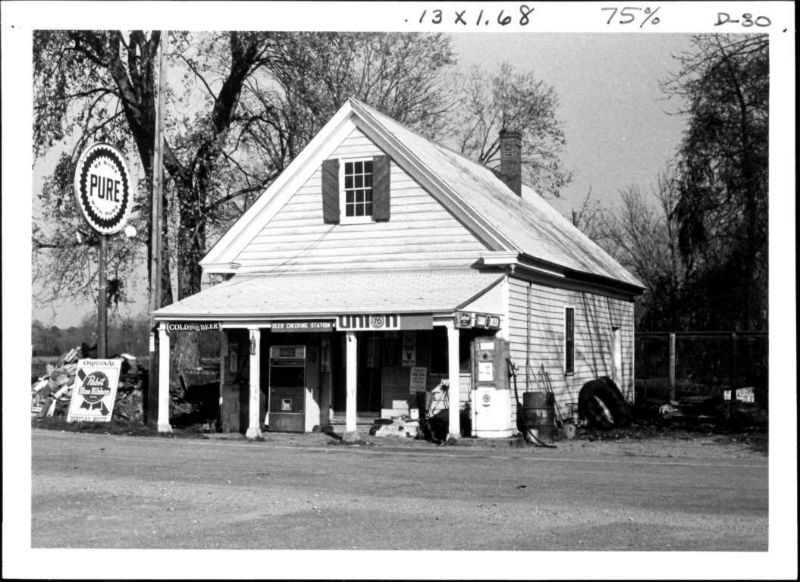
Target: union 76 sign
103, 188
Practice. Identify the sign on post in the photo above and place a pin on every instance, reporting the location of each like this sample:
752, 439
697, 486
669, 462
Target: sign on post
417, 381
94, 391
103, 188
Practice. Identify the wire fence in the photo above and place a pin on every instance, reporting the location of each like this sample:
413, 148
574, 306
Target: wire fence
670, 366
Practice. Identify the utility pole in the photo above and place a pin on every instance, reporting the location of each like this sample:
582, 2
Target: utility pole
102, 294
155, 237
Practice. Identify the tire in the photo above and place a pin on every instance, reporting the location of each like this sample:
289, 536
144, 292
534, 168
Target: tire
602, 404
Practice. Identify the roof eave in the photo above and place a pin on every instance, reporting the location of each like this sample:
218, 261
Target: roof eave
547, 268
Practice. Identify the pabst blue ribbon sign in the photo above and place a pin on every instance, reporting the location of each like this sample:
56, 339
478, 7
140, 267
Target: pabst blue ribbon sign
103, 188
94, 391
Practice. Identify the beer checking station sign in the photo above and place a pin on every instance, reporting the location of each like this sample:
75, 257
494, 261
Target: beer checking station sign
103, 188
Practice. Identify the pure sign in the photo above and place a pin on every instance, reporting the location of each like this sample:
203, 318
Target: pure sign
103, 188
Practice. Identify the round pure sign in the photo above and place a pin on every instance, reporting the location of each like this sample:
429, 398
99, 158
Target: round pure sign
103, 188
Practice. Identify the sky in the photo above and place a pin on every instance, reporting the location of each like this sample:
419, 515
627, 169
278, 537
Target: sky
618, 130
617, 124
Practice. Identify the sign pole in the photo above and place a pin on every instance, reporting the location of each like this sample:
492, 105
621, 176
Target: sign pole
102, 321
155, 238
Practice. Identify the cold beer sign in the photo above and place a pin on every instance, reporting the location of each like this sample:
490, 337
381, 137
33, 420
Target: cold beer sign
103, 188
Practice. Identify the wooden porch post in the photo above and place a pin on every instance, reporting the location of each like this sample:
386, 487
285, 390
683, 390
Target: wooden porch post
453, 370
223, 365
163, 379
351, 371
253, 428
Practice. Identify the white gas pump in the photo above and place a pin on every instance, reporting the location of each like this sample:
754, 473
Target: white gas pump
491, 396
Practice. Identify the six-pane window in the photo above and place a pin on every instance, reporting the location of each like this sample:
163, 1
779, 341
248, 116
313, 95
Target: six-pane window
358, 188
569, 340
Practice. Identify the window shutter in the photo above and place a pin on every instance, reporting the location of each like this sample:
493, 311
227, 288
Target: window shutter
330, 191
380, 188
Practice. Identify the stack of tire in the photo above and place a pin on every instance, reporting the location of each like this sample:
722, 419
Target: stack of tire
601, 403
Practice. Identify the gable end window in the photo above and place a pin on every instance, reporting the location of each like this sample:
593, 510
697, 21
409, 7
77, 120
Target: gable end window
356, 190
569, 340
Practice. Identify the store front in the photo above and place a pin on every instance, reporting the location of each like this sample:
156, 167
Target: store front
283, 369
303, 375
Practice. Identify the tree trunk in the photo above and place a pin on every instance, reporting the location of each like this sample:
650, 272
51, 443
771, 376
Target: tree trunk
191, 242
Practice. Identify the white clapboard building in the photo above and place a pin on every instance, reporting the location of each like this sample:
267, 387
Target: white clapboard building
379, 264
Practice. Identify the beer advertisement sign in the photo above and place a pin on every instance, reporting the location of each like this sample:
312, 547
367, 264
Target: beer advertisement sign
103, 188
94, 391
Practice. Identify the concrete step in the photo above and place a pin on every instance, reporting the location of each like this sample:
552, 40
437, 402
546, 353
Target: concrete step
363, 420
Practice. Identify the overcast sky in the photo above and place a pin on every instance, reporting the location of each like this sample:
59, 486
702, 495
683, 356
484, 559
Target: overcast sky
616, 119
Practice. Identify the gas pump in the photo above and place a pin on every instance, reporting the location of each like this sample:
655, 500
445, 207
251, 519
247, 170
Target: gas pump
491, 396
287, 388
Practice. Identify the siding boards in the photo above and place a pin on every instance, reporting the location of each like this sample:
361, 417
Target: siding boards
421, 233
595, 315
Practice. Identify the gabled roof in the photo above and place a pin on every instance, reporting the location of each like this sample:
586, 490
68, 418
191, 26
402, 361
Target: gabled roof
531, 224
330, 294
526, 225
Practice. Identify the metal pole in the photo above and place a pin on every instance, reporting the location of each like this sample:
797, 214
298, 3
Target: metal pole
733, 372
155, 238
102, 322
672, 360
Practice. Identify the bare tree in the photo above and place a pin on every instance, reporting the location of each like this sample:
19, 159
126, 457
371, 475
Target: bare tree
512, 100
722, 166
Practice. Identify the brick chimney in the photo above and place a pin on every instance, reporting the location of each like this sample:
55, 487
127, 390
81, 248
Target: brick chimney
511, 160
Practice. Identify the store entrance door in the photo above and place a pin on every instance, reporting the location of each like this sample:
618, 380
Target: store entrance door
368, 386
369, 373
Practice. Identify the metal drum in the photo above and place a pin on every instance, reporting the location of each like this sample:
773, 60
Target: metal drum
538, 409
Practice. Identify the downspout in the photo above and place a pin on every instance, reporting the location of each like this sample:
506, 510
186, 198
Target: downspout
528, 341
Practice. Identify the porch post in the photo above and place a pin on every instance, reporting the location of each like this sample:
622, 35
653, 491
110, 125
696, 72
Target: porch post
223, 365
351, 370
253, 429
453, 370
163, 379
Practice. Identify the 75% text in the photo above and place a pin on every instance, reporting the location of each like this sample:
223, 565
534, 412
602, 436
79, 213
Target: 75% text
632, 14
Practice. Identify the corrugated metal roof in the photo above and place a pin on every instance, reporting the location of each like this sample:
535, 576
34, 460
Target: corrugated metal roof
331, 293
530, 223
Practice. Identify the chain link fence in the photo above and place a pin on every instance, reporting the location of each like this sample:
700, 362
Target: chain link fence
670, 366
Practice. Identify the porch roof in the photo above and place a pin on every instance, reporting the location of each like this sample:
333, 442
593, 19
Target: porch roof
333, 293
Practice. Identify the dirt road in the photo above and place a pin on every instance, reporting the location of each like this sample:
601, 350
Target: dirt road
303, 492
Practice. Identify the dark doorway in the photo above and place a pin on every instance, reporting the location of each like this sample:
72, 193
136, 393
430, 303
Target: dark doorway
369, 358
369, 373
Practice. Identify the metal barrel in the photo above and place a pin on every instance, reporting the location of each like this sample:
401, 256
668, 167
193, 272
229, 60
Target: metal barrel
538, 409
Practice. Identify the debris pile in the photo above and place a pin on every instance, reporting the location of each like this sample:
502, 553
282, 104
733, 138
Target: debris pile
401, 426
713, 409
52, 392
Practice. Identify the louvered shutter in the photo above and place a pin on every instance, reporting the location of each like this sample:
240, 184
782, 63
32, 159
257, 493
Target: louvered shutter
330, 191
380, 188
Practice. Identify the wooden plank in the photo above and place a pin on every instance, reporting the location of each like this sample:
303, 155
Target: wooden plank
387, 244
265, 244
335, 258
